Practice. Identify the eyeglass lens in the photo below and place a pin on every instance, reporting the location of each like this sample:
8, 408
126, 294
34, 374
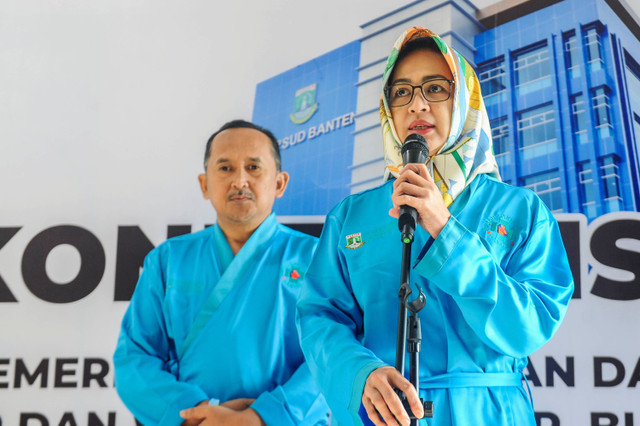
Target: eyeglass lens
401, 94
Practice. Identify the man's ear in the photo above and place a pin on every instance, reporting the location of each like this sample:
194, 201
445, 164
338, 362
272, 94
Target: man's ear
282, 180
202, 178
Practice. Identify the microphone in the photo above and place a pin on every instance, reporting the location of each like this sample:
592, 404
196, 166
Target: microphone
414, 150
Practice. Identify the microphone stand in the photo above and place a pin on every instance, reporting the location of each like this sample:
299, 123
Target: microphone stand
414, 337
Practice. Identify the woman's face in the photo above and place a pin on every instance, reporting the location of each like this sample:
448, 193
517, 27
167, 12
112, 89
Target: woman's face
430, 119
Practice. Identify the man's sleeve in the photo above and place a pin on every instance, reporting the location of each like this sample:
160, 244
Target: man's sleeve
145, 360
296, 402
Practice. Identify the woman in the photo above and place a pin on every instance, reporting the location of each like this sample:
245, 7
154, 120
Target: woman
488, 256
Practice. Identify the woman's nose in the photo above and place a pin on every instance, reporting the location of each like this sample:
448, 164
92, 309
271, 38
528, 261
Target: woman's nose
418, 103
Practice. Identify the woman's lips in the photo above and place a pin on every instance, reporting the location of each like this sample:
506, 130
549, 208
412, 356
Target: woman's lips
421, 127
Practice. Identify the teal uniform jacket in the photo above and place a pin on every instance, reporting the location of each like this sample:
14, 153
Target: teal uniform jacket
497, 283
204, 324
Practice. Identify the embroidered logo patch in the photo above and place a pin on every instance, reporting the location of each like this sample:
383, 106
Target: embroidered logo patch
292, 275
501, 229
354, 241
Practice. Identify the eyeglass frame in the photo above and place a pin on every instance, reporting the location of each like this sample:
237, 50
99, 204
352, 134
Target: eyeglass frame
413, 91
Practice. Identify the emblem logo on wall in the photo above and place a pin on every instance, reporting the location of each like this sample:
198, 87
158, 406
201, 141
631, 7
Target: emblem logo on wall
305, 104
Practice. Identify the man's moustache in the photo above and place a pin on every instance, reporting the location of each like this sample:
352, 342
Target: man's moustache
246, 194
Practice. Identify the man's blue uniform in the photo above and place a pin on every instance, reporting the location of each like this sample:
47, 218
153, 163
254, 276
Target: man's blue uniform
497, 285
204, 324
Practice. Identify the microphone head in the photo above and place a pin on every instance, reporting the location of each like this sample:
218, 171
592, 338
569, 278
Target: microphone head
414, 149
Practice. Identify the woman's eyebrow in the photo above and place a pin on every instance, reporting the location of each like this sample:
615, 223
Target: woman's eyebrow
425, 78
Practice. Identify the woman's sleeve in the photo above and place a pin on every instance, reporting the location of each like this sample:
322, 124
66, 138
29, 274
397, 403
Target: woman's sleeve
514, 310
329, 321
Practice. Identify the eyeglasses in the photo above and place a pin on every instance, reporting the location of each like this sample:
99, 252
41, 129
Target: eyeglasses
436, 90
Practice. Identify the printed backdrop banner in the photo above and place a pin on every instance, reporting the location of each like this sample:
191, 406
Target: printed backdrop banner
55, 360
589, 374
103, 120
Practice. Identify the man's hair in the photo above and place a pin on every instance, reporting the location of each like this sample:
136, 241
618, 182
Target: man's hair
242, 124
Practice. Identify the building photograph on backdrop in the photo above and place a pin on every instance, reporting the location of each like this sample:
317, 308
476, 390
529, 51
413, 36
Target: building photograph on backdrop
560, 83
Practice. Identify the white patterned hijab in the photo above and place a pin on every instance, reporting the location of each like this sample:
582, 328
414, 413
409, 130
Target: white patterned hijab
468, 151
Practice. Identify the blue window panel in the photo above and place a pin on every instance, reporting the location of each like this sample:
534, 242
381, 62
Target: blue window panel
586, 190
537, 132
547, 186
579, 120
593, 46
572, 58
609, 173
602, 113
501, 145
493, 82
532, 71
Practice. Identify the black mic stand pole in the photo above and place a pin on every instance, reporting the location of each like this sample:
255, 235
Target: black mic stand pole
412, 323
403, 295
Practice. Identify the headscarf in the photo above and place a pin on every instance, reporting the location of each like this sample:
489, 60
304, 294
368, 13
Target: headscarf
468, 151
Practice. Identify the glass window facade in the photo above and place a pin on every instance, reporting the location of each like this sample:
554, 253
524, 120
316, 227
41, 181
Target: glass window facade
493, 82
593, 46
579, 119
586, 189
537, 132
500, 136
571, 57
571, 121
547, 186
602, 112
601, 107
532, 70
611, 182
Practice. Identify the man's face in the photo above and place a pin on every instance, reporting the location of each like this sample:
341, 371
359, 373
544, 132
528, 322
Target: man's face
242, 181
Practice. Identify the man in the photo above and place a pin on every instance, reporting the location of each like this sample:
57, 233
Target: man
211, 323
